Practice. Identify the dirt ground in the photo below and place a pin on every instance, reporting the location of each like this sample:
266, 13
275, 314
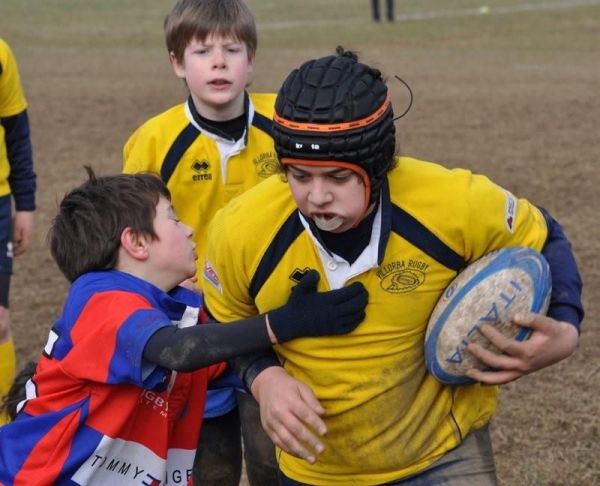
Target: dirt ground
513, 95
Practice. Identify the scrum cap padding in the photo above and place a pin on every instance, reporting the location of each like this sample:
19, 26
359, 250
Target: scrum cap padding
336, 108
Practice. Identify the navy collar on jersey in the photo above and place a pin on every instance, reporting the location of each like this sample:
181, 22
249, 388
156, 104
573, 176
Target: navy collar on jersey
231, 130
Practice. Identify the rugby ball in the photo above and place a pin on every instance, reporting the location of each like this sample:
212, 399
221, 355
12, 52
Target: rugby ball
488, 291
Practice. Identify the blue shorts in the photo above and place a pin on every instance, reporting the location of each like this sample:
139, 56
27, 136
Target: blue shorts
6, 251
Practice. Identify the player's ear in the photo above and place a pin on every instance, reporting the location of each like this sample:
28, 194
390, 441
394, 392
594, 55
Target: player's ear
134, 244
249, 71
251, 59
178, 67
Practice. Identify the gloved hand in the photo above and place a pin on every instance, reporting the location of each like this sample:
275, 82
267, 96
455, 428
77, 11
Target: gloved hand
312, 313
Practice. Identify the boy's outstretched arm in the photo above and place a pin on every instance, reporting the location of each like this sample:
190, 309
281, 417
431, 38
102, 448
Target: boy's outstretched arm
307, 313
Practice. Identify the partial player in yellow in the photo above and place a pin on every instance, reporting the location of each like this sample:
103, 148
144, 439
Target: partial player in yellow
209, 149
17, 187
361, 408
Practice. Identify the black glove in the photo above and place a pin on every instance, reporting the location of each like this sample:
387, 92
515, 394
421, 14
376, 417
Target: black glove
310, 313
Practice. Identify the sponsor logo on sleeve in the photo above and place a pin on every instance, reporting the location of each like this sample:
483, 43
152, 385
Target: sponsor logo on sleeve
210, 275
510, 212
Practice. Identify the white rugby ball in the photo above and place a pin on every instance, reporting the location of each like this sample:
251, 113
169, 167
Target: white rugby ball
487, 291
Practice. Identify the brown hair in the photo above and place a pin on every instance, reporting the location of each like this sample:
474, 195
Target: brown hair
17, 392
85, 235
197, 19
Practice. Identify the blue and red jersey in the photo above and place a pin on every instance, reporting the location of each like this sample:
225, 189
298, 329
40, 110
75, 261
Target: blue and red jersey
96, 411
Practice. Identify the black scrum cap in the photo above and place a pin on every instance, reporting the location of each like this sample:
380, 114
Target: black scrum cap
336, 109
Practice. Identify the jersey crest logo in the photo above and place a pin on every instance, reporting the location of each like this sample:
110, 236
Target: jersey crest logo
210, 275
298, 274
510, 212
266, 164
400, 277
201, 169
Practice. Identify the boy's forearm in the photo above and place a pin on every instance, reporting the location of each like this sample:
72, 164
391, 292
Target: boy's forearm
195, 347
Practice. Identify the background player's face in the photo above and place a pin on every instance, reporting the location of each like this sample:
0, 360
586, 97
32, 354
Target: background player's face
172, 258
216, 70
333, 197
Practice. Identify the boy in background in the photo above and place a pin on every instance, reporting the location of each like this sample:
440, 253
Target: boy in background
113, 398
17, 179
209, 149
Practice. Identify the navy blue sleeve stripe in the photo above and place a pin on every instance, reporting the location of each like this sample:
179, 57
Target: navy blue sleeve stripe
22, 178
286, 235
565, 299
263, 123
175, 153
409, 228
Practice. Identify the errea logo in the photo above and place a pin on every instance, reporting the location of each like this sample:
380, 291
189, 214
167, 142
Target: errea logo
298, 274
201, 168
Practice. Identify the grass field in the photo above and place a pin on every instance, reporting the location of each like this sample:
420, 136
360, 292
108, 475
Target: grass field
510, 91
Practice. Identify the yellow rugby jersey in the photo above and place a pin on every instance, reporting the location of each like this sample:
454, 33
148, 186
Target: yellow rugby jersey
201, 174
12, 102
387, 418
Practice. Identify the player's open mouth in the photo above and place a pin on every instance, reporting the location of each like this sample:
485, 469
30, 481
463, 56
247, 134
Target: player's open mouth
219, 83
325, 216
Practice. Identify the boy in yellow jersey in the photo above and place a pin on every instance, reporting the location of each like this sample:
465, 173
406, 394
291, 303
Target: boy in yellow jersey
209, 149
361, 409
18, 183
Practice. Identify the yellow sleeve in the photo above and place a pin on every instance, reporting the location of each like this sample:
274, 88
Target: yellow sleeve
225, 276
12, 98
7, 372
139, 153
498, 219
468, 212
